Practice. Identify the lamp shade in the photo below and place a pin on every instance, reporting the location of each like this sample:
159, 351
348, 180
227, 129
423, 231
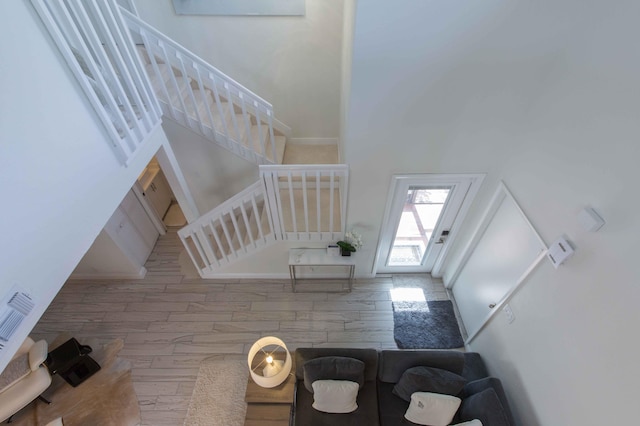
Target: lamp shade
269, 362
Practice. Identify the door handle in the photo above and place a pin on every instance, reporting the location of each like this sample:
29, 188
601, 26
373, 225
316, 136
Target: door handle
443, 236
492, 305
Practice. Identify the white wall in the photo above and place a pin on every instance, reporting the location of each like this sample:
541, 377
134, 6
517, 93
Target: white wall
123, 246
212, 174
292, 62
544, 95
60, 179
349, 16
105, 259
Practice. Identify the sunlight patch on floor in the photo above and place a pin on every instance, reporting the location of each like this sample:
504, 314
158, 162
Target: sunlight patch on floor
407, 294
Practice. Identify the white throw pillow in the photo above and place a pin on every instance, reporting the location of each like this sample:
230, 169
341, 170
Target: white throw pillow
335, 396
432, 409
474, 422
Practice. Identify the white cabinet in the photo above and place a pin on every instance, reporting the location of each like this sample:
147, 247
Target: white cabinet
157, 190
123, 246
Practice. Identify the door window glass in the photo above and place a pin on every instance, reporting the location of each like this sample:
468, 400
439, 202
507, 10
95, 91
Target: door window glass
420, 214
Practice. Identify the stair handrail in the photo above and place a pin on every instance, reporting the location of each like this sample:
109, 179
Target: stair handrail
206, 76
133, 20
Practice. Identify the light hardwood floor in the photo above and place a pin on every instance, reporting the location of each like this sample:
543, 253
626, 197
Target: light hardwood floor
170, 323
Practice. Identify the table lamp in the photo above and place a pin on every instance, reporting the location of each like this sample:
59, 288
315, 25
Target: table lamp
269, 362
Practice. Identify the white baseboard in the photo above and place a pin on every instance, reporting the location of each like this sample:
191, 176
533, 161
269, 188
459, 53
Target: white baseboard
111, 276
313, 141
244, 275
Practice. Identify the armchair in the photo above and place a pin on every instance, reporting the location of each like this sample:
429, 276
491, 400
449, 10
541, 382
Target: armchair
24, 378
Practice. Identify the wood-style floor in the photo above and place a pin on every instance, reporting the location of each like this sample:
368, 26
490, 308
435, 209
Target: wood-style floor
170, 323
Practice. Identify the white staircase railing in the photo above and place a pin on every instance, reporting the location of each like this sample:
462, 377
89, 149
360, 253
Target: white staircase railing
289, 203
202, 98
308, 202
239, 226
98, 48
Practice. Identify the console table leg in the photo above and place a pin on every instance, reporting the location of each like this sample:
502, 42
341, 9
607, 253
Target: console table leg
292, 274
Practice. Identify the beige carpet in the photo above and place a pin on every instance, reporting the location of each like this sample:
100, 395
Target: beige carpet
106, 398
310, 154
218, 396
174, 216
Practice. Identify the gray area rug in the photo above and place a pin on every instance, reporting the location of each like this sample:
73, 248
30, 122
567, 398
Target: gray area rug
426, 325
218, 396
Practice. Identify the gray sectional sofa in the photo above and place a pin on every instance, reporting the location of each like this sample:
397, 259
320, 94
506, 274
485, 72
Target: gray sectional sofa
482, 396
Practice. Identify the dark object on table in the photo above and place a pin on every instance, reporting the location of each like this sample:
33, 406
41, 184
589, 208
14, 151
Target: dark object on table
72, 362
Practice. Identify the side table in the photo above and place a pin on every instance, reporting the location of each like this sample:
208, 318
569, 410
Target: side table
71, 361
269, 406
319, 257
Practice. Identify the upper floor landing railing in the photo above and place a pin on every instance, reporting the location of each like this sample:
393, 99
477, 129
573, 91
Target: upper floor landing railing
97, 46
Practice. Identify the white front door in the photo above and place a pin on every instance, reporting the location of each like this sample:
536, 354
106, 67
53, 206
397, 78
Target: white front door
504, 250
422, 215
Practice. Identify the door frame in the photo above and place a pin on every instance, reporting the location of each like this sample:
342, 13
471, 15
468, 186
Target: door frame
475, 181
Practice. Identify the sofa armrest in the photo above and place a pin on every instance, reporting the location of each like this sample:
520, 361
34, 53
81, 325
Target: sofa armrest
23, 392
24, 347
474, 368
37, 354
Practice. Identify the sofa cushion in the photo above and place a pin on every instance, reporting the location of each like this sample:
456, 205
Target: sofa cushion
494, 383
368, 356
390, 407
486, 407
393, 363
427, 379
432, 409
365, 414
333, 368
335, 396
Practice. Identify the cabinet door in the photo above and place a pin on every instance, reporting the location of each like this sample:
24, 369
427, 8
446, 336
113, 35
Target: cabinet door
132, 230
159, 194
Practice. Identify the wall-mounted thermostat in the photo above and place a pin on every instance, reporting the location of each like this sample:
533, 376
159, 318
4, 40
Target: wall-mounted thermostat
559, 251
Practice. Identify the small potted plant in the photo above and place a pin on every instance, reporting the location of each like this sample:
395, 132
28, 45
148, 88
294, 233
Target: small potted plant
351, 243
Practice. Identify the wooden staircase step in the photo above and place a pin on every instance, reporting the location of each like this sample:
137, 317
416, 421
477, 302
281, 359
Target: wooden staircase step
311, 154
165, 78
257, 146
203, 99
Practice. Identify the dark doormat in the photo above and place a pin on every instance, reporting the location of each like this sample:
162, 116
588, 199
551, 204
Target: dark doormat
426, 325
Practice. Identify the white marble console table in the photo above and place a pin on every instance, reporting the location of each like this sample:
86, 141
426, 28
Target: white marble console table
318, 257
